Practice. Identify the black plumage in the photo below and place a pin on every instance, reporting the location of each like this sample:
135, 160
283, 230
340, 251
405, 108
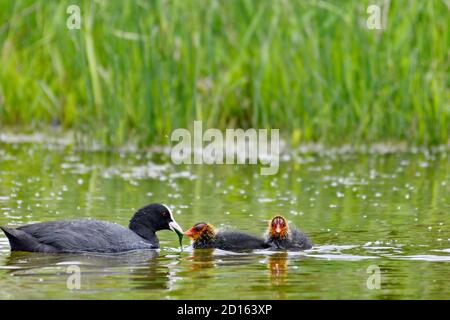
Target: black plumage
281, 236
294, 240
93, 235
205, 237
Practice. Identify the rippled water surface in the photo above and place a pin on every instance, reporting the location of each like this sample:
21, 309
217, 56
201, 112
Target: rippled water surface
363, 210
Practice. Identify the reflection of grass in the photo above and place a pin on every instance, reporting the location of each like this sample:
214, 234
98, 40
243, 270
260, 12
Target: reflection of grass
140, 69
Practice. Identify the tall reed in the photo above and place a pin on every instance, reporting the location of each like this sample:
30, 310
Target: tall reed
139, 69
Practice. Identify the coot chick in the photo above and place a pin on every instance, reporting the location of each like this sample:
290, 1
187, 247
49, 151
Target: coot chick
204, 236
76, 236
281, 236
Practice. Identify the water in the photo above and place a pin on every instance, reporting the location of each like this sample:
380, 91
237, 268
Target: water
372, 208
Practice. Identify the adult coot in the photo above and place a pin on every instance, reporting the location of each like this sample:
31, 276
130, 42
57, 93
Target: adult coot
94, 235
204, 236
281, 236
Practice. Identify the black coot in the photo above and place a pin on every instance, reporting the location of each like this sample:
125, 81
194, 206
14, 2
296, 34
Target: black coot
204, 236
282, 237
93, 235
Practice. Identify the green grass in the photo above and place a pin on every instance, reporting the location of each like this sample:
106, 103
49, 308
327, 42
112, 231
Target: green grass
138, 70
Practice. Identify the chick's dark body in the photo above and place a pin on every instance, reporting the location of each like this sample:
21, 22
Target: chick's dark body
230, 241
294, 240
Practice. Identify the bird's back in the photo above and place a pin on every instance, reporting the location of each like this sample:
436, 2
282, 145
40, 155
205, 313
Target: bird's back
238, 241
300, 240
76, 236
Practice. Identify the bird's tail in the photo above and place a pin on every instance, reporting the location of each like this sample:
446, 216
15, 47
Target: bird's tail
18, 239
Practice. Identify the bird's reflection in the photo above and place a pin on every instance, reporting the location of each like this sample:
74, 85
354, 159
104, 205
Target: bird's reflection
33, 260
146, 270
201, 259
278, 270
141, 267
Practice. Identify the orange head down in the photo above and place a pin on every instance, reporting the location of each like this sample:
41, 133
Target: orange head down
278, 227
201, 230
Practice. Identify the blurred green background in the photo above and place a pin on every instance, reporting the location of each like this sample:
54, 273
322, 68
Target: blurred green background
136, 70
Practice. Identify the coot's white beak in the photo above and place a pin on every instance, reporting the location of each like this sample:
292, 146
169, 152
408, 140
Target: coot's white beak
177, 229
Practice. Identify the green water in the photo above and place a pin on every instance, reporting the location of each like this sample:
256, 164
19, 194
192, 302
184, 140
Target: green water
389, 210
